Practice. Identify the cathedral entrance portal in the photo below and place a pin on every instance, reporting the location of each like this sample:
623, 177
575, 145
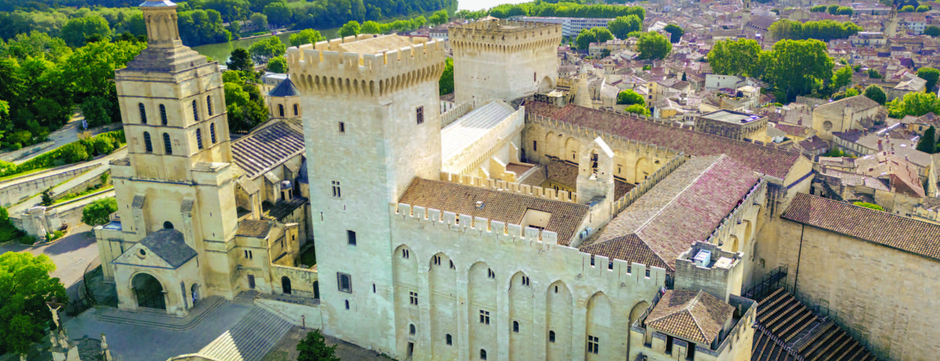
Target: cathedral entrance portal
149, 292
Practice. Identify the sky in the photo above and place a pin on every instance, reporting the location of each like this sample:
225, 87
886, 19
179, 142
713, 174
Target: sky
474, 5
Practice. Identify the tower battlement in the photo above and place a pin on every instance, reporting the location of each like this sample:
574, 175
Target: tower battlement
506, 36
366, 64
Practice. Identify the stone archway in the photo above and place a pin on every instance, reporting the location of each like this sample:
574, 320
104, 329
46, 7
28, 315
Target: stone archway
149, 291
635, 314
643, 170
546, 85
285, 285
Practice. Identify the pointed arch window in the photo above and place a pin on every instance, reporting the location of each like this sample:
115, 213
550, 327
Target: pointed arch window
167, 147
163, 114
212, 132
195, 111
143, 113
209, 104
148, 146
199, 138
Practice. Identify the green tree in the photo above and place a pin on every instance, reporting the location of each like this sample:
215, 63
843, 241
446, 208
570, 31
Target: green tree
99, 212
37, 45
933, 31
797, 67
230, 10
306, 36
923, 8
928, 142
349, 29
27, 287
260, 20
240, 60
278, 65
630, 97
874, 74
278, 13
419, 21
99, 110
869, 206
730, 57
592, 35
623, 25
638, 109
907, 9
915, 104
842, 77
675, 31
930, 75
818, 9
845, 10
314, 348
833, 9
244, 104
851, 92
371, 27
438, 18
77, 31
446, 82
876, 93
266, 49
47, 196
653, 46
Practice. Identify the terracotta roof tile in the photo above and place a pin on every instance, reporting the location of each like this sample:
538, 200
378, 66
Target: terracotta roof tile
879, 227
691, 315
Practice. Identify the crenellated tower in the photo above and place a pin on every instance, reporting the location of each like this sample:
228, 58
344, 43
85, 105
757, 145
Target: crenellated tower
504, 60
372, 124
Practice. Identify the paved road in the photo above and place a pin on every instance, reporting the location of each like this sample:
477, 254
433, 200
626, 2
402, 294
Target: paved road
65, 135
103, 160
71, 254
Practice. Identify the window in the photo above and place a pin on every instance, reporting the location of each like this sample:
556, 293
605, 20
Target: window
167, 147
344, 282
420, 115
551, 336
347, 304
610, 265
482, 354
351, 237
535, 145
163, 114
412, 329
143, 113
592, 260
436, 260
342, 127
485, 317
212, 132
452, 264
209, 105
148, 146
593, 344
195, 111
574, 155
490, 273
280, 110
449, 340
413, 298
515, 326
199, 138
337, 192
296, 110
248, 254
405, 253
525, 280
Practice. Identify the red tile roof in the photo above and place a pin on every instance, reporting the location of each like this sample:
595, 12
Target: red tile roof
766, 160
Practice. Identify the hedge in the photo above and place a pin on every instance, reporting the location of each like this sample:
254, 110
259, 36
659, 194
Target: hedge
80, 151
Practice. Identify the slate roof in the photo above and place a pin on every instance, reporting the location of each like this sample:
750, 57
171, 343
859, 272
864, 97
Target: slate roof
902, 233
157, 3
787, 330
285, 89
498, 206
691, 315
253, 228
684, 207
169, 245
284, 208
267, 147
766, 160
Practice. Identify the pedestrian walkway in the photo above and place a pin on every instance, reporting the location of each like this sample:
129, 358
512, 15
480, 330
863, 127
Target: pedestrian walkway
250, 339
159, 319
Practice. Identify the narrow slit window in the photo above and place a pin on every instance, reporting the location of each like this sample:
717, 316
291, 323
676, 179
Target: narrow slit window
199, 138
167, 147
195, 111
209, 105
212, 132
420, 115
163, 115
143, 113
148, 145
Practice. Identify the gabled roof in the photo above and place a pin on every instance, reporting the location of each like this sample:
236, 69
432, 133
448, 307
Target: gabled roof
258, 152
691, 315
168, 244
285, 89
157, 3
902, 233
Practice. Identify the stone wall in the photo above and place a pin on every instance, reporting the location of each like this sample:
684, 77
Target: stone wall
16, 192
297, 314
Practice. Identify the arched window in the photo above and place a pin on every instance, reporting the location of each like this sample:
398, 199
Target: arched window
195, 111
347, 304
199, 138
551, 336
449, 339
482, 354
280, 110
143, 113
515, 326
148, 146
411, 329
163, 114
167, 225
212, 132
209, 105
167, 147
296, 110
316, 290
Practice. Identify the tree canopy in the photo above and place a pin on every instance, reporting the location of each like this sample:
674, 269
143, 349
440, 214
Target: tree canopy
277, 65
438, 18
623, 25
842, 77
266, 49
824, 30
99, 212
446, 82
314, 348
243, 101
78, 31
349, 29
653, 46
592, 35
675, 31
240, 60
278, 13
630, 97
928, 142
930, 75
306, 36
915, 104
933, 31
730, 57
566, 10
876, 93
638, 109
794, 67
27, 287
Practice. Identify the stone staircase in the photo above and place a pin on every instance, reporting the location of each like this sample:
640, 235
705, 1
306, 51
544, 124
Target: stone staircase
250, 339
159, 319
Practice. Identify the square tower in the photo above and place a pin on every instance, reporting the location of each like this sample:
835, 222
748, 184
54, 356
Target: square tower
371, 125
504, 60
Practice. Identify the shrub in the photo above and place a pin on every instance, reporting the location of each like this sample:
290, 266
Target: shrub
99, 212
74, 152
870, 206
27, 239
